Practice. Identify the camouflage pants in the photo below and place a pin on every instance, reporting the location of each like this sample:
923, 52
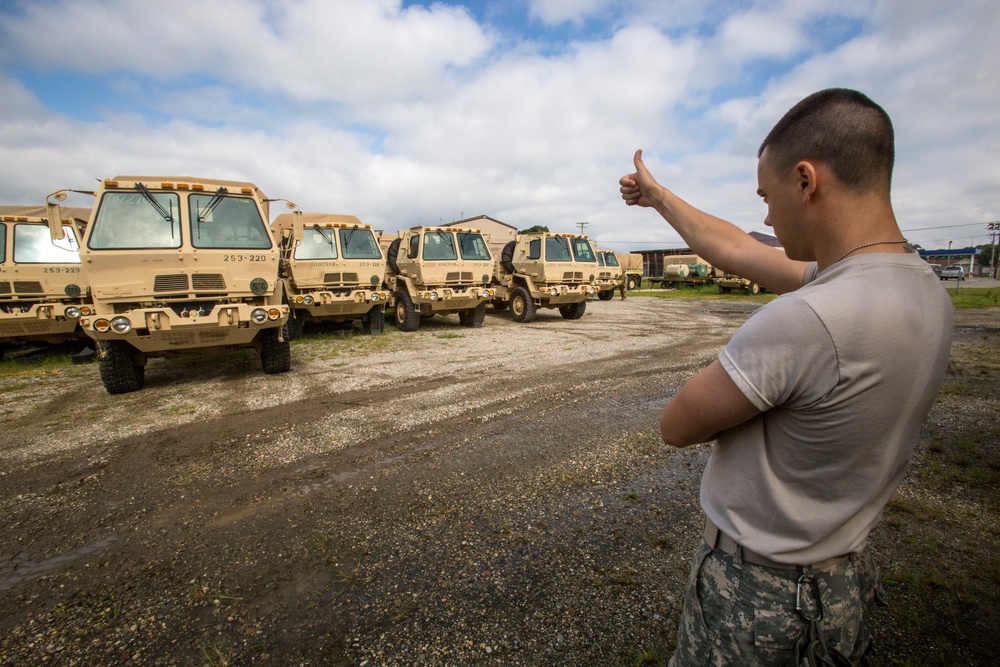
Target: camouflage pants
738, 613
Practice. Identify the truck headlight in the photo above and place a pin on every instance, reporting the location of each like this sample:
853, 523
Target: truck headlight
433, 296
73, 312
258, 316
121, 325
308, 300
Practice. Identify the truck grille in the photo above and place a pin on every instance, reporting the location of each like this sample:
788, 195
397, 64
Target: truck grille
171, 283
571, 276
456, 276
337, 278
27, 287
5, 287
213, 281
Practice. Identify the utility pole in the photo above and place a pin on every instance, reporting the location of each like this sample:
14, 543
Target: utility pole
581, 225
993, 227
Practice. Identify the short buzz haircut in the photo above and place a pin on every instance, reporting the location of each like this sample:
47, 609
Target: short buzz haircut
841, 128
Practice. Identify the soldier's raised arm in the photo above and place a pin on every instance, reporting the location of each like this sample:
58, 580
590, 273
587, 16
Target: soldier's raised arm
723, 244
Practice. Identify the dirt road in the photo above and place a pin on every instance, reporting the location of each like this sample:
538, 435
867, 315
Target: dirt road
450, 496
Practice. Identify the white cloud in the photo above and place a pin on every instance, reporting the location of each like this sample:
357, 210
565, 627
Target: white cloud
418, 115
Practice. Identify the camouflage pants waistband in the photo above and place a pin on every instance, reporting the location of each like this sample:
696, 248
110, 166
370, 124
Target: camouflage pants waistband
716, 539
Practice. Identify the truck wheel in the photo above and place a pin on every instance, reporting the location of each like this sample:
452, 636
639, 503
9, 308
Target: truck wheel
121, 371
373, 321
638, 282
275, 355
507, 257
390, 255
573, 311
725, 290
499, 305
407, 317
295, 327
522, 306
631, 284
473, 317
606, 295
753, 289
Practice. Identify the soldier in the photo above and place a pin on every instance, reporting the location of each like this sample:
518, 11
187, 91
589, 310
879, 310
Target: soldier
815, 408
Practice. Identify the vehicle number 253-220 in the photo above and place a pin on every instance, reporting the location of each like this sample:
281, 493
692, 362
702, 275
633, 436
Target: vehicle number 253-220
245, 258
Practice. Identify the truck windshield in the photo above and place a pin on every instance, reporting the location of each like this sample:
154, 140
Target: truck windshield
127, 220
317, 243
439, 246
3, 243
359, 244
557, 249
610, 259
473, 246
220, 221
582, 250
33, 245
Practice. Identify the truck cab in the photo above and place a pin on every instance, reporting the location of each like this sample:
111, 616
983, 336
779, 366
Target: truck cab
177, 264
334, 271
439, 271
43, 293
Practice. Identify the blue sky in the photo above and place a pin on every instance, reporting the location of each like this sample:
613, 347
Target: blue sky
405, 113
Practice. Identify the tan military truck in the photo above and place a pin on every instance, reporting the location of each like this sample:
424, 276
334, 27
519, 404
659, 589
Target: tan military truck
334, 274
43, 292
609, 273
727, 282
545, 270
439, 271
176, 264
631, 263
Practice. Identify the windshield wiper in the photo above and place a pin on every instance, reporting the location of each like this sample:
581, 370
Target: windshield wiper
322, 232
212, 203
144, 191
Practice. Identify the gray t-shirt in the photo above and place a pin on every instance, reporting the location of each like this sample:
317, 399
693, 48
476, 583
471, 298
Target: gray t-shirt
844, 369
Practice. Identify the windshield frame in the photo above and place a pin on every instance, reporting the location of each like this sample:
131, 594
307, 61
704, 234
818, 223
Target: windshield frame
42, 238
146, 223
479, 252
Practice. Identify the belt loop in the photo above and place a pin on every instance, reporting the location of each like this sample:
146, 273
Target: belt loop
711, 534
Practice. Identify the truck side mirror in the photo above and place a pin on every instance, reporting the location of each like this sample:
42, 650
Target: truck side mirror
54, 214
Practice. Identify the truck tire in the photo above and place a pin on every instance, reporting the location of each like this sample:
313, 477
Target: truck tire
522, 306
275, 355
573, 311
121, 371
390, 255
631, 283
373, 322
507, 257
638, 282
407, 317
473, 317
606, 295
499, 305
753, 289
295, 327
725, 290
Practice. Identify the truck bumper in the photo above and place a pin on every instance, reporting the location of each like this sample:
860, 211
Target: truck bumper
160, 329
324, 304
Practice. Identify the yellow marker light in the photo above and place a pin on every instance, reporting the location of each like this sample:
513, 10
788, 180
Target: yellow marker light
273, 314
247, 191
102, 325
108, 183
166, 186
197, 186
182, 186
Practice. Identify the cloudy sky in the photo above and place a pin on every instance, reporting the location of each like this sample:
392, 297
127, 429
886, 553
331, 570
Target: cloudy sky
529, 111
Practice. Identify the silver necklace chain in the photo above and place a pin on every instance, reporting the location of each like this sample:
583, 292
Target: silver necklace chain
868, 245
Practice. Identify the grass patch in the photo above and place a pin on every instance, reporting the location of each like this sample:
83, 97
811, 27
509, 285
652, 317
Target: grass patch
710, 292
974, 297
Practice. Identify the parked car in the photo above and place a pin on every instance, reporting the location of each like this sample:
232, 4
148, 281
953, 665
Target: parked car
936, 268
953, 272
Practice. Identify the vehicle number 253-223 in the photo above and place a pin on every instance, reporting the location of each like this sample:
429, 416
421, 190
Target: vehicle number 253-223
245, 258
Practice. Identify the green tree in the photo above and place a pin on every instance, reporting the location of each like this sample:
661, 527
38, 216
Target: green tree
536, 228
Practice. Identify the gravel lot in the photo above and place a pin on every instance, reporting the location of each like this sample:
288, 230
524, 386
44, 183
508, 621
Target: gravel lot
451, 496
